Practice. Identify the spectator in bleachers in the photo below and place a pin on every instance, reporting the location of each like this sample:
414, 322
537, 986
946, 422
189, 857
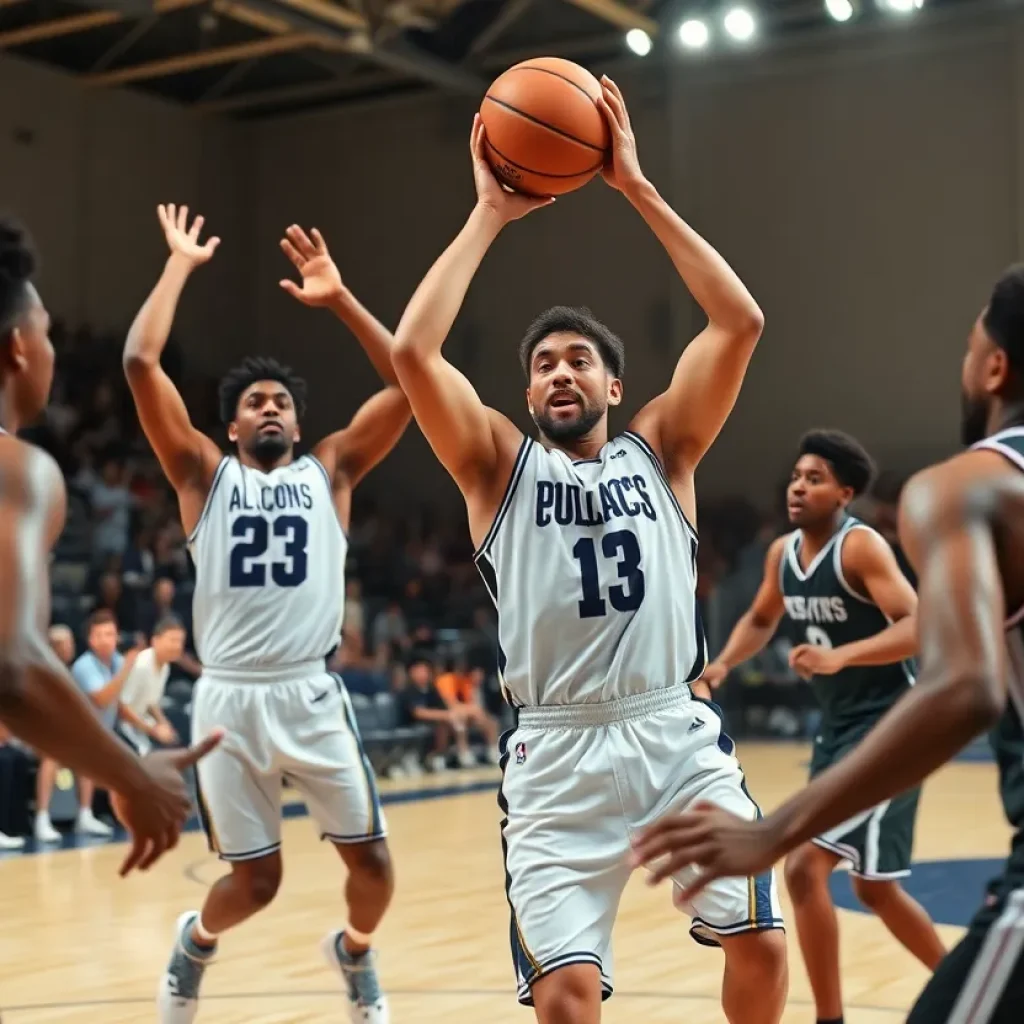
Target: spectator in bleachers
390, 639
140, 718
460, 689
138, 567
62, 641
111, 597
8, 786
111, 504
355, 613
100, 673
421, 703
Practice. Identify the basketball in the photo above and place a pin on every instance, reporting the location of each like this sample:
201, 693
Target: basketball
545, 134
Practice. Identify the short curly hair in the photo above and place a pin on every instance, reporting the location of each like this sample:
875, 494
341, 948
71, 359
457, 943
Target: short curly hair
17, 265
850, 462
235, 382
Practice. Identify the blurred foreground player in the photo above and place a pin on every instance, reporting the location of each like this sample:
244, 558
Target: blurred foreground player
586, 546
39, 702
267, 534
962, 526
850, 611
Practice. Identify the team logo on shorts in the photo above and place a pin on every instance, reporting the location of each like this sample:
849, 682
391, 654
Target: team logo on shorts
520, 753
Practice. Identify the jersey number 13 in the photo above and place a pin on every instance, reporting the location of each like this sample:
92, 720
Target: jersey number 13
623, 597
248, 566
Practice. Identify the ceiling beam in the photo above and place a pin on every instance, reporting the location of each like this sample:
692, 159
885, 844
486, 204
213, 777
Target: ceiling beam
76, 23
337, 87
617, 13
507, 17
200, 59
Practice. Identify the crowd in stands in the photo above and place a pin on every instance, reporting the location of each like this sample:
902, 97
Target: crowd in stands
419, 648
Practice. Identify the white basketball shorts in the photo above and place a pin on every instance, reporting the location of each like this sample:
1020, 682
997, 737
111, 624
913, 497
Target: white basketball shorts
296, 724
578, 782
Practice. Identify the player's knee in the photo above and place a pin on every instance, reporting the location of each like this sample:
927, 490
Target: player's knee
260, 881
569, 995
371, 862
803, 873
874, 894
760, 957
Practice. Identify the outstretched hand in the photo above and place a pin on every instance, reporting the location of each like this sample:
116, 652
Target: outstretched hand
183, 240
321, 281
622, 171
490, 193
718, 844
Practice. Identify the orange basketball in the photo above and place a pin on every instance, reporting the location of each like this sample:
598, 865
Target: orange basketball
545, 134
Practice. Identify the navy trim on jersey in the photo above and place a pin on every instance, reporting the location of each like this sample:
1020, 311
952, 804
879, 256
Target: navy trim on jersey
263, 851
513, 482
209, 499
323, 469
642, 444
376, 830
837, 558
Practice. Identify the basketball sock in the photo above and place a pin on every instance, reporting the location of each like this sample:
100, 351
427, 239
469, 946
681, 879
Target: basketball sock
355, 938
198, 941
831, 1020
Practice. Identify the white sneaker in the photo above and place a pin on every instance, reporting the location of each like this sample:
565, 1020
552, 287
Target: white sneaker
493, 757
367, 1003
11, 842
467, 759
87, 824
177, 997
437, 763
44, 830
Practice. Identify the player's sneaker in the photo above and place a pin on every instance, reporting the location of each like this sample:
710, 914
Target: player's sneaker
87, 824
367, 1003
177, 998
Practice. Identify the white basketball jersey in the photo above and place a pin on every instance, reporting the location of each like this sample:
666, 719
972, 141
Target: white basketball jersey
593, 569
270, 567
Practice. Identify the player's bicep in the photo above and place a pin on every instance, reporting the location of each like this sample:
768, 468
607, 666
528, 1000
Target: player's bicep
456, 423
185, 454
374, 431
876, 567
683, 421
768, 606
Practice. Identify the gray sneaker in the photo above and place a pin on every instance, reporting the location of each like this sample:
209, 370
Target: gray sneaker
177, 998
367, 1003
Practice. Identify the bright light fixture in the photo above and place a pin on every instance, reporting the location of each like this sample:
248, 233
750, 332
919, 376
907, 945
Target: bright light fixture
638, 41
841, 10
740, 24
694, 34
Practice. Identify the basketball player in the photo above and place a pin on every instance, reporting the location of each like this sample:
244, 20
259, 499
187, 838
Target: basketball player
962, 526
266, 533
844, 597
586, 545
39, 702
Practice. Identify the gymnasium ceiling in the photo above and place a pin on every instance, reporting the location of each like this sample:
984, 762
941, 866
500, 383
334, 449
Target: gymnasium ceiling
246, 58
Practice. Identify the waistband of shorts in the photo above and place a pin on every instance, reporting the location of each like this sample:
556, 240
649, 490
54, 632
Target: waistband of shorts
265, 673
636, 705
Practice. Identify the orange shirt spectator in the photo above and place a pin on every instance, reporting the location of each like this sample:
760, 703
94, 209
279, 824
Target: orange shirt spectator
458, 687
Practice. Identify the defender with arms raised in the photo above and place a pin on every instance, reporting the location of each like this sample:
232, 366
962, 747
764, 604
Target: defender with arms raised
588, 548
266, 532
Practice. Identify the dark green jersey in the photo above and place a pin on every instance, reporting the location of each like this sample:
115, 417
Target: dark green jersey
823, 609
1007, 738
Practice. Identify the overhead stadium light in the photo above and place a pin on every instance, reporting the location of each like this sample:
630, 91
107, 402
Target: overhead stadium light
840, 10
694, 34
901, 6
638, 41
740, 24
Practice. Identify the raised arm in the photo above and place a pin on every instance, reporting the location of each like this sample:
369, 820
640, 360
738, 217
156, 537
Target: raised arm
349, 454
682, 422
757, 625
948, 518
475, 444
870, 567
189, 458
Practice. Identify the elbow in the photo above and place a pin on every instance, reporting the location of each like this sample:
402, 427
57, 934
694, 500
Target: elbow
752, 324
134, 362
406, 356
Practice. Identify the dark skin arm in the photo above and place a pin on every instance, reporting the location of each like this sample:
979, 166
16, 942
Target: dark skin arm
949, 518
349, 454
188, 458
871, 569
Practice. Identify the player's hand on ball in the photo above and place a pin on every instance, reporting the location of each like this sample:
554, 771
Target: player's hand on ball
321, 281
622, 171
714, 842
811, 660
490, 194
183, 240
155, 812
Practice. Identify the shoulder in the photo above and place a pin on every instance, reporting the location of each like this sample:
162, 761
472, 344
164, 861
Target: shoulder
777, 551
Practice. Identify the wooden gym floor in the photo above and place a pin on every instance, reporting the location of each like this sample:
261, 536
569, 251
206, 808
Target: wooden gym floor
80, 946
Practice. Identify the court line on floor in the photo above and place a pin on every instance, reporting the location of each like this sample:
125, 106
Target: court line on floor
417, 992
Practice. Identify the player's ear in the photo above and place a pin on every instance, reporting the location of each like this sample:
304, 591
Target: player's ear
997, 370
233, 432
847, 496
614, 391
16, 350
529, 403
